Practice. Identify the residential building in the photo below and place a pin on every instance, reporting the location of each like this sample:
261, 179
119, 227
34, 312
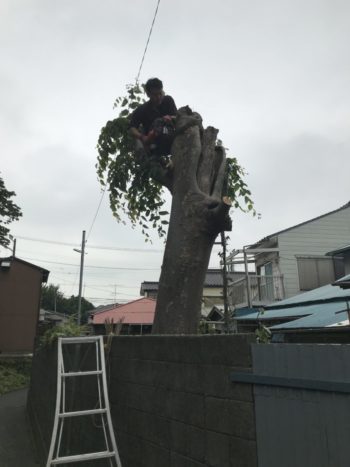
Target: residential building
212, 289
135, 317
20, 292
324, 307
342, 253
52, 317
343, 282
293, 260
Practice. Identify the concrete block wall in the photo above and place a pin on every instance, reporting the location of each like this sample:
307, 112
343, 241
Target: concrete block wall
172, 402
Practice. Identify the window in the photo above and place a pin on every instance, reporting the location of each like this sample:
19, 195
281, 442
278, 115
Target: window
266, 288
315, 272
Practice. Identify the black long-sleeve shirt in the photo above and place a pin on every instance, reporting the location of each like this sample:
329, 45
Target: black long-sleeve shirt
147, 113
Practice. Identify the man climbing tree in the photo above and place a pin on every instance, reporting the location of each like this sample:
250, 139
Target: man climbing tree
151, 124
203, 183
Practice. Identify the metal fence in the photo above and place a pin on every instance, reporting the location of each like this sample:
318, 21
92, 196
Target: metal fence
263, 290
302, 404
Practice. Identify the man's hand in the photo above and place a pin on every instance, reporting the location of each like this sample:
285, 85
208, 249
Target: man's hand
168, 118
149, 138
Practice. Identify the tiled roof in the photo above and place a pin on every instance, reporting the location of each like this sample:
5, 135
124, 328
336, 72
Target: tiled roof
326, 293
140, 311
149, 286
213, 278
327, 315
102, 308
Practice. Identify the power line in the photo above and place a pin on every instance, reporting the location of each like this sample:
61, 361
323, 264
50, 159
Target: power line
94, 267
95, 216
149, 36
112, 299
42, 240
103, 288
98, 247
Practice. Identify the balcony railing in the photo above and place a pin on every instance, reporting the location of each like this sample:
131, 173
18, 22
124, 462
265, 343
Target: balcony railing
263, 290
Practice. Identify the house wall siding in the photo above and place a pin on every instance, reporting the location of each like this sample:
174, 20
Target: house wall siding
315, 239
20, 289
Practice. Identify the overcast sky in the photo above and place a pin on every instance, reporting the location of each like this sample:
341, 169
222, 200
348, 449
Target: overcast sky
273, 76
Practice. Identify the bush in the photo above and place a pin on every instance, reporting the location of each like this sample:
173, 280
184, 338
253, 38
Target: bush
14, 373
69, 329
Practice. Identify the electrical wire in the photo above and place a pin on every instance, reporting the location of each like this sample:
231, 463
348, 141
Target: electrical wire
94, 267
95, 216
148, 39
99, 247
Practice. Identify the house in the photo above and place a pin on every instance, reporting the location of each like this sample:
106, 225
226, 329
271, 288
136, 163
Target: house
212, 290
20, 291
326, 307
100, 309
343, 282
293, 260
52, 317
213, 322
135, 317
342, 253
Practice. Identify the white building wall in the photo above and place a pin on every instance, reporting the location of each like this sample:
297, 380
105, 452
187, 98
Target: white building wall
315, 239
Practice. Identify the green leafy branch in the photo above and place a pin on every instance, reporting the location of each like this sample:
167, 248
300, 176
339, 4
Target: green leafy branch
131, 181
132, 189
237, 189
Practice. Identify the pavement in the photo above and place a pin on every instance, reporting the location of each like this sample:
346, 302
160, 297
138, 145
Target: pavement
16, 447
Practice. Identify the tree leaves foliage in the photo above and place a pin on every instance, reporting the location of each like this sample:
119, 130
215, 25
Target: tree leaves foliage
53, 299
132, 188
237, 188
9, 212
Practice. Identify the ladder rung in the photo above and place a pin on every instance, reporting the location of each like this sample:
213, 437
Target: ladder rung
82, 412
81, 373
83, 457
80, 340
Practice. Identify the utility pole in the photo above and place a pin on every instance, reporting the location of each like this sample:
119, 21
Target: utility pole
224, 277
82, 254
14, 247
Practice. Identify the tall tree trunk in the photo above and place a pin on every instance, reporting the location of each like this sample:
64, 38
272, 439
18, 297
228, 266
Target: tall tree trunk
199, 212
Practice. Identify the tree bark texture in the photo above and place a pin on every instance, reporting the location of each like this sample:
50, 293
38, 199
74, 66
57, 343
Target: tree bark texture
199, 212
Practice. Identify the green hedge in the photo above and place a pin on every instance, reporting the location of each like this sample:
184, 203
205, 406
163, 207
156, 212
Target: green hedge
14, 373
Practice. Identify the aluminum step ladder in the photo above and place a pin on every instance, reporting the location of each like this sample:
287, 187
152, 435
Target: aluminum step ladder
111, 453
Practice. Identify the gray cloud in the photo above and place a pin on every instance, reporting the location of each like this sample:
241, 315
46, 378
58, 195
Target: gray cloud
272, 76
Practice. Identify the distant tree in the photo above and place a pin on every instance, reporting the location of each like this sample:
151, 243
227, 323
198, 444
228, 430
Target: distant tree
9, 212
52, 299
204, 185
71, 305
